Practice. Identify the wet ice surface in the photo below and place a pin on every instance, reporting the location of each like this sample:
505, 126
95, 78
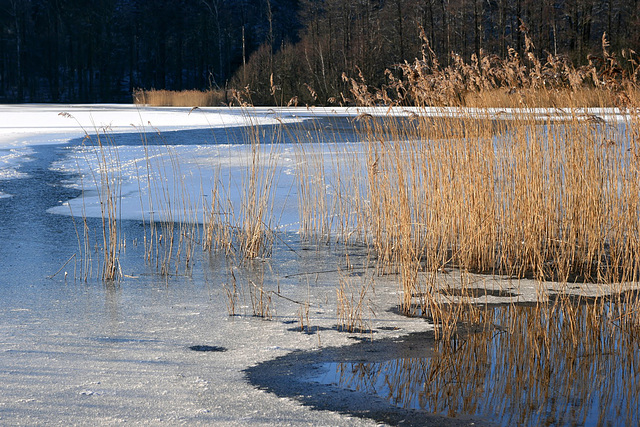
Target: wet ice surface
90, 352
80, 353
94, 353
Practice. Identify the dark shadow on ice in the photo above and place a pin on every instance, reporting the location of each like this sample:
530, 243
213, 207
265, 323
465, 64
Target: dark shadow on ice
208, 348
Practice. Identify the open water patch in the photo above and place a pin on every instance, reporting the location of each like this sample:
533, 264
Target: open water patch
520, 365
296, 375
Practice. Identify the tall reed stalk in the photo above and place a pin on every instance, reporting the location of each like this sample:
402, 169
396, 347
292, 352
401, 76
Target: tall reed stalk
256, 231
108, 184
525, 193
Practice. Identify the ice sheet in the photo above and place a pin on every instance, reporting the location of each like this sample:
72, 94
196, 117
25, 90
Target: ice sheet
177, 182
75, 352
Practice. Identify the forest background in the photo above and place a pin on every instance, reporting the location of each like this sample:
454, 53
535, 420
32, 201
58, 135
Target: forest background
104, 50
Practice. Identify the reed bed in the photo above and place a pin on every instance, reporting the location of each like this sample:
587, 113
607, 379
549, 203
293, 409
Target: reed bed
547, 195
183, 98
553, 197
523, 80
554, 201
550, 195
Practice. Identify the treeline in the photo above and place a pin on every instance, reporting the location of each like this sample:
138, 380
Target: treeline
101, 50
363, 38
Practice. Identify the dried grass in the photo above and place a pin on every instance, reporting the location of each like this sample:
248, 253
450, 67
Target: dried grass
184, 98
523, 81
504, 193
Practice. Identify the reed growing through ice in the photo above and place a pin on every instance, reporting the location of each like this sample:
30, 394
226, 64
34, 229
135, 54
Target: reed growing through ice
107, 181
551, 195
256, 231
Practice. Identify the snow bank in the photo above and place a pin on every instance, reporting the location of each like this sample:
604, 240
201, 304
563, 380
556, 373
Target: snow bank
57, 123
176, 182
181, 174
22, 126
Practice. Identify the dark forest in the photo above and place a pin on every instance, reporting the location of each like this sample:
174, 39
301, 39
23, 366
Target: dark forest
102, 50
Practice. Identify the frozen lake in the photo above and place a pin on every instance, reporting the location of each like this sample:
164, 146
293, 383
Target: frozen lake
175, 343
76, 351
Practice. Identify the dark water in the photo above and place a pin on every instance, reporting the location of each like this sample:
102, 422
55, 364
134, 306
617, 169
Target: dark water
330, 130
34, 243
526, 367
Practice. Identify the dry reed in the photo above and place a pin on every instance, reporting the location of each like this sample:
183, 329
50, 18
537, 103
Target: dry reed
185, 98
552, 196
352, 300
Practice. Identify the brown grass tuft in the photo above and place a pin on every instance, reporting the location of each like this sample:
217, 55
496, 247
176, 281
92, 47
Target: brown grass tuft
184, 98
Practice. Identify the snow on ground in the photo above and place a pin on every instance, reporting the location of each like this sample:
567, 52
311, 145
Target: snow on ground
37, 124
172, 182
22, 125
200, 166
57, 123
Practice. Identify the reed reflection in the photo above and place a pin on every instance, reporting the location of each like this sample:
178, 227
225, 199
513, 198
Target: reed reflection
559, 363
